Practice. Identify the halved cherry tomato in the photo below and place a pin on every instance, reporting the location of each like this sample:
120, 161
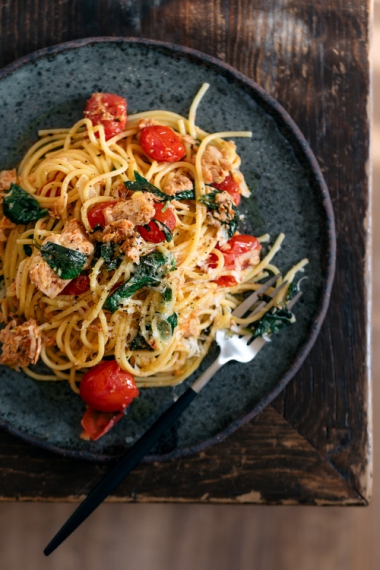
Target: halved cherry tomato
162, 143
233, 249
96, 424
108, 388
95, 216
108, 110
154, 234
77, 286
231, 186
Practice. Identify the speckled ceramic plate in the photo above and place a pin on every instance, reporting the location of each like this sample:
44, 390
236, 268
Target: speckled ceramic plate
289, 195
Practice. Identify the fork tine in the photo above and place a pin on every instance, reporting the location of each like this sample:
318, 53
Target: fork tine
249, 301
272, 295
293, 301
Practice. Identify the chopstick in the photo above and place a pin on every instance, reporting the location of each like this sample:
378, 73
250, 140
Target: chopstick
134, 455
128, 461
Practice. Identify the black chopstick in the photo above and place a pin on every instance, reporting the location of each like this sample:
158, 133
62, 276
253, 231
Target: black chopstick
124, 466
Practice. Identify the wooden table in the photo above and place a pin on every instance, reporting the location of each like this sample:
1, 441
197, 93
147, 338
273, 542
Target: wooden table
313, 444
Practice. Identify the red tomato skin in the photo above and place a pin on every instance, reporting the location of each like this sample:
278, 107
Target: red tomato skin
108, 388
95, 215
77, 286
162, 143
101, 107
231, 186
226, 281
154, 235
96, 424
237, 246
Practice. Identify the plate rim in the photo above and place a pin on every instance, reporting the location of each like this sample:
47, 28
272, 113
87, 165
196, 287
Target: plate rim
298, 144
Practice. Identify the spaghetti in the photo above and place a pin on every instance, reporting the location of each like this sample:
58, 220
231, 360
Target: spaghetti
159, 264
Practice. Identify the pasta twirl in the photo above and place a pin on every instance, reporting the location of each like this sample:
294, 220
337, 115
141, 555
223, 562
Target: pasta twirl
158, 241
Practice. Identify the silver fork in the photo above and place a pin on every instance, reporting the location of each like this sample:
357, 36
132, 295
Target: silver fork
238, 347
231, 348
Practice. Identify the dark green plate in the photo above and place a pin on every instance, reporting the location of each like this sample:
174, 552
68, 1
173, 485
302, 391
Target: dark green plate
49, 89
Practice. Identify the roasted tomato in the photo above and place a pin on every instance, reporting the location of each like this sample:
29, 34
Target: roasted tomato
231, 186
108, 110
96, 424
154, 234
234, 248
77, 286
95, 215
108, 388
162, 143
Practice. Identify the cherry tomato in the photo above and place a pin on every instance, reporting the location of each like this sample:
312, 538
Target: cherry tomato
95, 215
96, 424
108, 388
238, 245
231, 186
154, 234
162, 144
77, 286
108, 110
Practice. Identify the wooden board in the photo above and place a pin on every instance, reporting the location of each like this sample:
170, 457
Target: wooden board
313, 445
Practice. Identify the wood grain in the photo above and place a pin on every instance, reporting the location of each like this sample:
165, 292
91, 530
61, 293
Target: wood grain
312, 55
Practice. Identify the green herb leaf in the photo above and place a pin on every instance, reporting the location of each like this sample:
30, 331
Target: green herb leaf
185, 195
149, 272
164, 229
292, 291
167, 295
166, 327
141, 184
173, 321
139, 343
108, 252
209, 200
66, 263
232, 223
21, 208
273, 321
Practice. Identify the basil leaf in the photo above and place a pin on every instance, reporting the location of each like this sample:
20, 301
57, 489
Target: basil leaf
166, 328
209, 201
141, 184
20, 207
167, 295
66, 263
292, 291
273, 321
185, 195
173, 321
152, 268
232, 225
164, 229
108, 252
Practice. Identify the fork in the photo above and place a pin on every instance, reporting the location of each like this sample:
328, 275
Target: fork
234, 347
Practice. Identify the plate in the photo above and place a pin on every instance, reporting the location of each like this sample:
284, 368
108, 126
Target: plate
49, 89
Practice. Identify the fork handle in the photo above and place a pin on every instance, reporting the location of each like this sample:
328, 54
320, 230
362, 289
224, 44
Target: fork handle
124, 466
204, 378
